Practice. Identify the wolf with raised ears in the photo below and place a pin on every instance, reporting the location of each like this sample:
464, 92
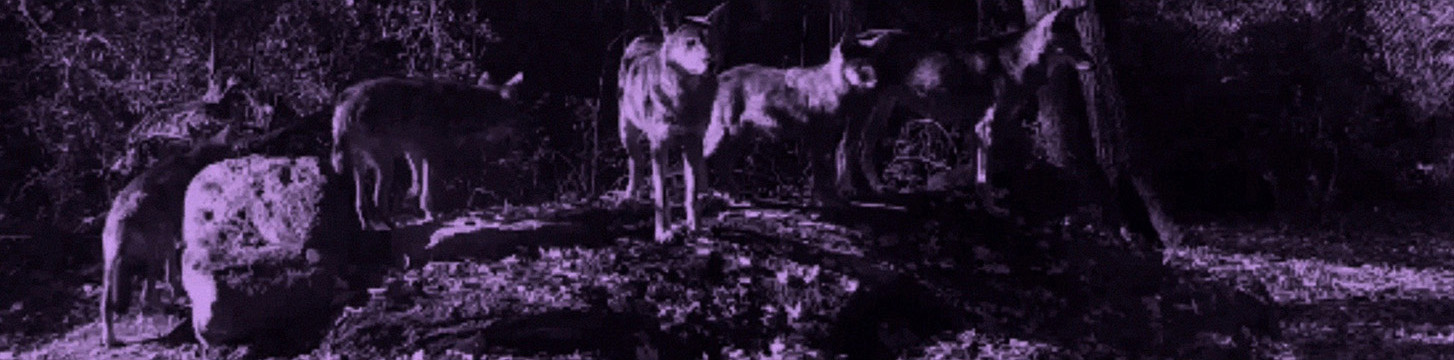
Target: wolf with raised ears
665, 91
757, 103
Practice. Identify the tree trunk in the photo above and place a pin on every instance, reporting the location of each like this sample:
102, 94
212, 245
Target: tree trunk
1097, 150
843, 18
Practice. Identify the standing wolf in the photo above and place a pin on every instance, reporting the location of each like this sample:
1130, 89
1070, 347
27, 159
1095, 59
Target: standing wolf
755, 102
143, 231
378, 121
665, 96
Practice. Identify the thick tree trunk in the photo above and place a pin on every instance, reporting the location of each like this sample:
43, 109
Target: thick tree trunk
1096, 149
1115, 146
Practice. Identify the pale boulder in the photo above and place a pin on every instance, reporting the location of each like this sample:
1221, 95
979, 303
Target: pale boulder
253, 228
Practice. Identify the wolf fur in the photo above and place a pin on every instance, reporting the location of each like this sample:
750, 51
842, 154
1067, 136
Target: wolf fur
917, 74
761, 103
990, 81
422, 120
665, 90
1020, 64
143, 231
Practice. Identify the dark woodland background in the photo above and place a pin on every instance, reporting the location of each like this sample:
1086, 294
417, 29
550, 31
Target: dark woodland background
1279, 106
1281, 114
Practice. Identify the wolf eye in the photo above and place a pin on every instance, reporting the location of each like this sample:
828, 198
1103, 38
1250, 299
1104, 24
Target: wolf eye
692, 42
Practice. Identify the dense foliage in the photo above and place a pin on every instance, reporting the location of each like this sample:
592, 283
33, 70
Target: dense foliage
88, 80
1288, 105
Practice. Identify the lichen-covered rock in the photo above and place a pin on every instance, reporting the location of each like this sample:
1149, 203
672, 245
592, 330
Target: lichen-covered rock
246, 269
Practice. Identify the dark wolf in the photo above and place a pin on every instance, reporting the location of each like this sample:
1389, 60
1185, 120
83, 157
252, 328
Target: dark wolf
990, 80
143, 230
422, 120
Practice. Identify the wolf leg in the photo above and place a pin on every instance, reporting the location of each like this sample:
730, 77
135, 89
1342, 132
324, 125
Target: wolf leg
873, 128
110, 296
150, 299
424, 180
636, 159
383, 197
360, 198
658, 190
821, 159
984, 190
981, 142
414, 161
695, 174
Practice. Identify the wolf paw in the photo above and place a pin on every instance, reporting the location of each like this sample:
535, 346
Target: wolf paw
110, 341
664, 236
618, 197
672, 232
379, 226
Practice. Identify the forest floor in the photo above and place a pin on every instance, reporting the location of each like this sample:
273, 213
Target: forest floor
786, 283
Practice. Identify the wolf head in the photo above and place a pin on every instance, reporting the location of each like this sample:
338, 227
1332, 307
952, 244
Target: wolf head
859, 74
856, 71
686, 47
921, 65
935, 77
221, 144
1056, 40
507, 117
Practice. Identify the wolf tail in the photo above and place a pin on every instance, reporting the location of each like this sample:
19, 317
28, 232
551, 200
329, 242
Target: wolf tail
728, 105
116, 292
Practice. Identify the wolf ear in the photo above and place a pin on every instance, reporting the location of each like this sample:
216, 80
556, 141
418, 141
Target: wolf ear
484, 80
515, 80
872, 38
711, 17
661, 15
836, 54
508, 90
223, 137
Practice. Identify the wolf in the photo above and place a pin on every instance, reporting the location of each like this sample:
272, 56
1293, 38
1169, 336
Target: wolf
378, 121
143, 230
917, 74
1020, 64
756, 103
666, 93
995, 78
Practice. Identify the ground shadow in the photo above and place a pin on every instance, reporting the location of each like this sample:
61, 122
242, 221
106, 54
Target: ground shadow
484, 237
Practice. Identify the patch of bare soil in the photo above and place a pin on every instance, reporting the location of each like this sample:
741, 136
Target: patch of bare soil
47, 286
1365, 285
